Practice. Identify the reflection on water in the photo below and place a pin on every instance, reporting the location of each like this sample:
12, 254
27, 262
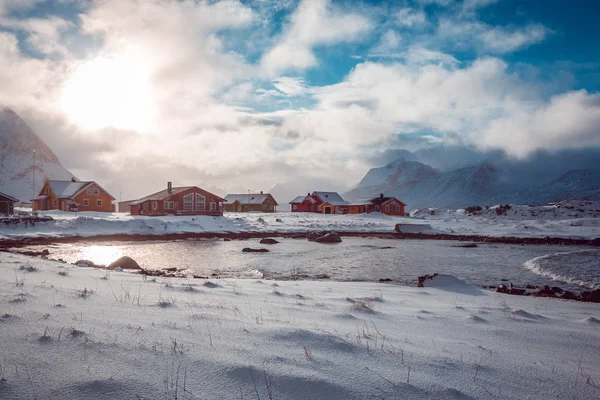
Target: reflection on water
359, 259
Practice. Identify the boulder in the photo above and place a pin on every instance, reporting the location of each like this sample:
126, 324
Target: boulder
86, 264
593, 296
545, 292
385, 280
125, 263
312, 236
249, 250
466, 245
423, 278
268, 241
331, 237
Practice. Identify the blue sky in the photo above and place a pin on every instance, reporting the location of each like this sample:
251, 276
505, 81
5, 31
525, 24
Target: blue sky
222, 88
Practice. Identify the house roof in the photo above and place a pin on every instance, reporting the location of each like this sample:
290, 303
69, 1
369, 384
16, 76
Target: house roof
332, 198
165, 194
298, 199
249, 198
66, 189
8, 197
382, 200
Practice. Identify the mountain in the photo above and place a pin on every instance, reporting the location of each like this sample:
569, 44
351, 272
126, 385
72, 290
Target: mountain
420, 185
17, 144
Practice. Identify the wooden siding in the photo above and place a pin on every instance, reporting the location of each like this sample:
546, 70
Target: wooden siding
148, 207
7, 206
52, 202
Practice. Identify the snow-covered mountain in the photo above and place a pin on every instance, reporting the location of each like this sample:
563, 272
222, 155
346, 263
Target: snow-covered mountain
17, 144
420, 185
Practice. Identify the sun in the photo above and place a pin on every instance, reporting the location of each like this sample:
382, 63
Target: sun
110, 92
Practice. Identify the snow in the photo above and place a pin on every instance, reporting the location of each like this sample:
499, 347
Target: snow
560, 222
70, 332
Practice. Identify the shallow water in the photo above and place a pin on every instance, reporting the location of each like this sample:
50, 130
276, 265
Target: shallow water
355, 259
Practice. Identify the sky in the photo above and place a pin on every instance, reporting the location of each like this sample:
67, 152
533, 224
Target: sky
242, 95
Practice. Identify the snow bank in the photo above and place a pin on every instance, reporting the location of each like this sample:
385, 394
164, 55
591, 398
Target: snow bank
70, 332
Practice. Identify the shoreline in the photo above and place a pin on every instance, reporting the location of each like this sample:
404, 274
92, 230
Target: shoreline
13, 243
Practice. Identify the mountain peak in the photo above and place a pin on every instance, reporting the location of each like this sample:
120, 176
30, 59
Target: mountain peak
17, 145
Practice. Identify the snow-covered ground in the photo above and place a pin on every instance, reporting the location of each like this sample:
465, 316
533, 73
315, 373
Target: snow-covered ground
70, 332
520, 221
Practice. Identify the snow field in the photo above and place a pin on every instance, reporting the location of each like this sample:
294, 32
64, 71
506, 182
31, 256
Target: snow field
71, 332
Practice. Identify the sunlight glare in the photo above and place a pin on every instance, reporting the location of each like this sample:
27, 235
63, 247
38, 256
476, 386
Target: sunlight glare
110, 92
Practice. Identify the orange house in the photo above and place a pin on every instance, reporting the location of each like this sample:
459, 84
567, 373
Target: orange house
73, 195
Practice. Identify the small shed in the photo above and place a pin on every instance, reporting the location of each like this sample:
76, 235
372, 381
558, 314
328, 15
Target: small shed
7, 204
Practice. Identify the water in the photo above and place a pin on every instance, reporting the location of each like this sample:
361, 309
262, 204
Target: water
355, 259
580, 268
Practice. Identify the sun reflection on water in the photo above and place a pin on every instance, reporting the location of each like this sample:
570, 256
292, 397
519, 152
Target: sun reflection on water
103, 255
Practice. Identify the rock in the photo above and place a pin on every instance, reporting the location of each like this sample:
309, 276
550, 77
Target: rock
298, 237
386, 280
268, 241
45, 252
466, 245
125, 263
278, 220
518, 292
226, 240
502, 289
85, 264
556, 289
171, 269
544, 293
249, 250
331, 237
569, 296
312, 236
595, 242
322, 276
593, 296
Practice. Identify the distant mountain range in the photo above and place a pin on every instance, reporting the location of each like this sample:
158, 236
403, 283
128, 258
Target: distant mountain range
17, 143
495, 182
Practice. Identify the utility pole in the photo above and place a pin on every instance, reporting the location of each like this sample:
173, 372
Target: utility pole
33, 182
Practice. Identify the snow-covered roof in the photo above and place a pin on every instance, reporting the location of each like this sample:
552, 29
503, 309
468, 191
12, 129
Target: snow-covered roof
164, 194
300, 199
249, 198
332, 198
67, 189
8, 197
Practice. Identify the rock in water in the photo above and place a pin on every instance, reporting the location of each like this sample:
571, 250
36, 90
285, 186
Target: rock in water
466, 245
249, 250
593, 296
331, 237
268, 241
125, 263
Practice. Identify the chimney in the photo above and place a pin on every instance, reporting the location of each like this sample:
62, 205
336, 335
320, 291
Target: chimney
381, 195
261, 192
308, 195
169, 187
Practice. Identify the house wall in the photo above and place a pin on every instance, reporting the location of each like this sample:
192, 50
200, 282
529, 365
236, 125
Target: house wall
48, 203
392, 210
305, 206
267, 206
145, 208
92, 200
7, 206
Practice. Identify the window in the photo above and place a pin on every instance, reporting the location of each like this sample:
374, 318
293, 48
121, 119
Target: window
200, 202
265, 206
188, 202
98, 203
294, 207
86, 202
169, 205
397, 208
90, 191
47, 190
213, 206
96, 191
54, 203
387, 208
155, 205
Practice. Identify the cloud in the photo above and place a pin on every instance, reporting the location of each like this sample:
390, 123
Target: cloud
491, 39
314, 23
410, 17
43, 35
291, 86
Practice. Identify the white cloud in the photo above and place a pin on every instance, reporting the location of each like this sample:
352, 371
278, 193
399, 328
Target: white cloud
314, 23
42, 34
411, 18
494, 39
388, 45
291, 86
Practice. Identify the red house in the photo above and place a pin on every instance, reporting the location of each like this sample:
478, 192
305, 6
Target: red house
382, 204
320, 202
304, 204
185, 200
